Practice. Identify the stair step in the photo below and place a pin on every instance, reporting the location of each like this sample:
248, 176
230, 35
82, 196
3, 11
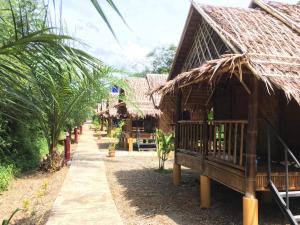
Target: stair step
291, 194
297, 218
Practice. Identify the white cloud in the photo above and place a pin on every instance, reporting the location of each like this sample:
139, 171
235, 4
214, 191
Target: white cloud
153, 22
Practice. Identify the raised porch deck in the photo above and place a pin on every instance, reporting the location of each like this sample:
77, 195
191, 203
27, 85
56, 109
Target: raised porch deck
217, 149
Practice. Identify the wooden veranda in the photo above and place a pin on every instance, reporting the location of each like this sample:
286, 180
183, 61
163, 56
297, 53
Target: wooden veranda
217, 149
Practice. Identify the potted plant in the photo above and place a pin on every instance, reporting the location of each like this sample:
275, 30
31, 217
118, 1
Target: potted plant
112, 150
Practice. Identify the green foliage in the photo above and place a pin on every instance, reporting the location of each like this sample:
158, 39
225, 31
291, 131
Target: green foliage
165, 144
47, 86
104, 17
117, 132
161, 59
47, 81
7, 222
6, 175
21, 153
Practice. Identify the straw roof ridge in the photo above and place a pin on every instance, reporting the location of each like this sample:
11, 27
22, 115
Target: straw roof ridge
155, 81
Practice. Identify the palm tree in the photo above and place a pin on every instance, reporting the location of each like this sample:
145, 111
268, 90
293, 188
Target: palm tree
43, 78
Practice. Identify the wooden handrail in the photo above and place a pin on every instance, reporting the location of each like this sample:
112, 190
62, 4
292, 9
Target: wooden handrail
223, 140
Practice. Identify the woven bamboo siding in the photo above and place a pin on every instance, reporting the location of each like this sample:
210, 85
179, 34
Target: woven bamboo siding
279, 181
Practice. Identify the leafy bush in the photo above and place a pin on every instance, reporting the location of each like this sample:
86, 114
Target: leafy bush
6, 175
165, 144
22, 153
117, 132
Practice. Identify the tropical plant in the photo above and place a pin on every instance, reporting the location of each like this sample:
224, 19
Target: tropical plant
42, 78
164, 145
7, 222
117, 132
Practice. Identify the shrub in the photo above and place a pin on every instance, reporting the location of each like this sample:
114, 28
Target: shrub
20, 154
6, 175
165, 144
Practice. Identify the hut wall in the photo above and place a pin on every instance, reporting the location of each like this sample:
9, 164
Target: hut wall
165, 121
230, 102
150, 123
268, 105
167, 118
290, 125
194, 99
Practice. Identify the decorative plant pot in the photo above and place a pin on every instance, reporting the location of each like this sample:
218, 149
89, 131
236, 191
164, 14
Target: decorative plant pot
111, 151
111, 154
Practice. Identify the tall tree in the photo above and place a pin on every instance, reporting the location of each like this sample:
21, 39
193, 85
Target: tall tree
161, 59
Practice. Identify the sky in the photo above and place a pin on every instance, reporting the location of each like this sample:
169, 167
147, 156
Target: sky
152, 23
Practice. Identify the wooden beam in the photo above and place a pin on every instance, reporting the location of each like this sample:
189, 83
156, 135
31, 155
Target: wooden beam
188, 96
252, 139
177, 116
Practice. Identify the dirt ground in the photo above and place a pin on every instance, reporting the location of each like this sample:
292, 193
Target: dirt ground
35, 193
144, 196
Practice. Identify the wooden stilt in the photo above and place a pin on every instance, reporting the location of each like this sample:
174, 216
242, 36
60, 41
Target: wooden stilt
250, 211
176, 174
205, 193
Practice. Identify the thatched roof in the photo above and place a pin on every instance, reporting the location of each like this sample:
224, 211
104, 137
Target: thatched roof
108, 108
142, 103
264, 40
155, 81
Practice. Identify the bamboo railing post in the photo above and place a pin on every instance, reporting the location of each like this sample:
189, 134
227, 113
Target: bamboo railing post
177, 117
205, 134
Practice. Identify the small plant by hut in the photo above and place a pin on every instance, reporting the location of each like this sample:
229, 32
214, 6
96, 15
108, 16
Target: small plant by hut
116, 134
165, 144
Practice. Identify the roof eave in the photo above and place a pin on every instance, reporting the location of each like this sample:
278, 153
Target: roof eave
187, 22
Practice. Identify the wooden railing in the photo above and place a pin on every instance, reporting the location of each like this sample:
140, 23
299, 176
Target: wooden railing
227, 141
221, 140
192, 136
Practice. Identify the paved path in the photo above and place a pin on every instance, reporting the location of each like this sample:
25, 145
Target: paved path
85, 196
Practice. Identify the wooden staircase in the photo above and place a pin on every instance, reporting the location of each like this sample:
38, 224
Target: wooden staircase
282, 197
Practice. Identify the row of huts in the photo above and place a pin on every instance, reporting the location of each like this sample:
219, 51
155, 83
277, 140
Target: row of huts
139, 110
233, 100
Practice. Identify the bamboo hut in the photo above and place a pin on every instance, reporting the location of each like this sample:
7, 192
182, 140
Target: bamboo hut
141, 113
238, 71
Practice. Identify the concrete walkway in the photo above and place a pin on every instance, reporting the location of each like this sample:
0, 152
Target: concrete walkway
85, 196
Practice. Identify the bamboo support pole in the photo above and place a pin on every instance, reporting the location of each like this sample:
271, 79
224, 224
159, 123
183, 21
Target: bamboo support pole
252, 139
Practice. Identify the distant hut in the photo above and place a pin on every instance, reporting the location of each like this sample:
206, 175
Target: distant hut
235, 88
107, 112
141, 113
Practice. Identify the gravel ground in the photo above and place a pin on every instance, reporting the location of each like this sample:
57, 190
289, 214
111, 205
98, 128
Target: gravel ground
144, 196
